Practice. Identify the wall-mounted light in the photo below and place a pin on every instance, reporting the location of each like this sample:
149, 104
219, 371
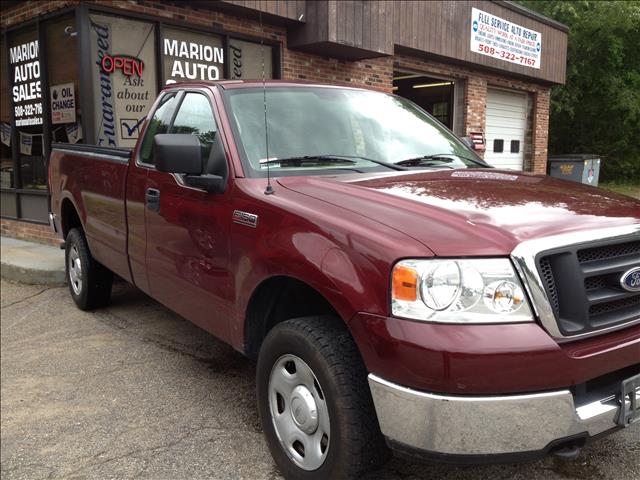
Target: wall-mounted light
68, 31
404, 77
427, 85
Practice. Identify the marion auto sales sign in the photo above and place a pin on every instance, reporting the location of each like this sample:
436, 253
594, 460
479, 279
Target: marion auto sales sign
499, 38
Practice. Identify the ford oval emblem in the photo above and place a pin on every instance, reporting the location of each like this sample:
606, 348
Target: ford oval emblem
630, 280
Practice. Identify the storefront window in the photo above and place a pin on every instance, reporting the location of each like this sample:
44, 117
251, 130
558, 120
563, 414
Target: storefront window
26, 95
62, 63
246, 60
189, 56
6, 162
123, 60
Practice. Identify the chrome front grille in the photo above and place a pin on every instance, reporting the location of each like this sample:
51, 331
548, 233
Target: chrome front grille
583, 285
573, 280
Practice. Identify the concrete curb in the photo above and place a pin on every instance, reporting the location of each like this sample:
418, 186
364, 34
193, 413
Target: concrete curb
32, 276
31, 263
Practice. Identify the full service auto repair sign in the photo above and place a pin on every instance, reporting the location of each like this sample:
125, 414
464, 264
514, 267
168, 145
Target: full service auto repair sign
499, 38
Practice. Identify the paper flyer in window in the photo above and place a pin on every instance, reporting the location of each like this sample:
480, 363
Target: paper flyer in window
26, 143
5, 134
74, 133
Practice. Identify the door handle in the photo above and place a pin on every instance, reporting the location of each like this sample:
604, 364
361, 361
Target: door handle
152, 198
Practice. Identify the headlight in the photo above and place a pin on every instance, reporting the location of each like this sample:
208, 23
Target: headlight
459, 291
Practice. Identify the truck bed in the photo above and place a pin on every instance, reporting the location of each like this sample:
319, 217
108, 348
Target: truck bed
98, 176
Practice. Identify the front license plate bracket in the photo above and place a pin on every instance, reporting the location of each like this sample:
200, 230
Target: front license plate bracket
630, 391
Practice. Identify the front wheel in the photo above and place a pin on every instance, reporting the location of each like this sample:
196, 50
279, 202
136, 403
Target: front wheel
314, 401
89, 281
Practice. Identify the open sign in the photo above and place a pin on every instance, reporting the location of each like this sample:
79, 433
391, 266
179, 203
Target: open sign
126, 64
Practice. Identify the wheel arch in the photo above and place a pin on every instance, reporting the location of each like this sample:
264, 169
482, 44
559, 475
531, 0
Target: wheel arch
69, 217
279, 298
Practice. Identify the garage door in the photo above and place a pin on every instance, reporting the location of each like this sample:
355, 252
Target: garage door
505, 127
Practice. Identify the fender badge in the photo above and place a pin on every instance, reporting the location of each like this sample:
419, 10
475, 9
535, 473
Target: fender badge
630, 280
245, 218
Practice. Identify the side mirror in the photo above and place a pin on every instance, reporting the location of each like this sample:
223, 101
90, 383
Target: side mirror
177, 153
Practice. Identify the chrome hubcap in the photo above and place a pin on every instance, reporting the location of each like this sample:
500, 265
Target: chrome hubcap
299, 412
75, 270
304, 410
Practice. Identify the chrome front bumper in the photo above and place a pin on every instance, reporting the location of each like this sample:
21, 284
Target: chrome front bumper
489, 425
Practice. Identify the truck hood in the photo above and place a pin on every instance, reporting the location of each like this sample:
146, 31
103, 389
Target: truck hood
471, 211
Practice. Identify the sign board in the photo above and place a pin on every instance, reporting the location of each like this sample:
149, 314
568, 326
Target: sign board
63, 104
499, 38
478, 140
27, 90
188, 55
124, 79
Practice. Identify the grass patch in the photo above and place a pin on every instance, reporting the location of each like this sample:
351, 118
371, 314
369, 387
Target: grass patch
632, 190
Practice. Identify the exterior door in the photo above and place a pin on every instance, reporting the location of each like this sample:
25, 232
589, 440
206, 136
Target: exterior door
139, 167
188, 231
506, 120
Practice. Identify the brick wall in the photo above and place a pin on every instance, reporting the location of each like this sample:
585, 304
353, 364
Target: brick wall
375, 73
541, 130
29, 231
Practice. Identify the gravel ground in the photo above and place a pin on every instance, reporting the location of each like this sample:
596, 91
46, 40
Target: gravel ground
135, 391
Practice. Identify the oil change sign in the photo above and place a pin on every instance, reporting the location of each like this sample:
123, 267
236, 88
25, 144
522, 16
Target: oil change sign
63, 104
498, 38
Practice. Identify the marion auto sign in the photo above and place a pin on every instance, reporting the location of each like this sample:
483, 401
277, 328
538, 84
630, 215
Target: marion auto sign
498, 38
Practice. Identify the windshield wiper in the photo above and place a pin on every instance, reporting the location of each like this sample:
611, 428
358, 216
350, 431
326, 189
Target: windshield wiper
329, 158
435, 160
392, 166
308, 159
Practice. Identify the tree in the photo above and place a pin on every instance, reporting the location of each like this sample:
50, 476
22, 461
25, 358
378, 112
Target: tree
598, 109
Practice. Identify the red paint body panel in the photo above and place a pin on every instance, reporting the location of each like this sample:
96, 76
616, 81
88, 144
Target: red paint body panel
98, 195
472, 212
341, 235
486, 359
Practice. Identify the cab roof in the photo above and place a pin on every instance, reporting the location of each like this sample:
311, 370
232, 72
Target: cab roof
237, 84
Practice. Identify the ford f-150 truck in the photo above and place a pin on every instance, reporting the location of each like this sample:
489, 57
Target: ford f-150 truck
395, 290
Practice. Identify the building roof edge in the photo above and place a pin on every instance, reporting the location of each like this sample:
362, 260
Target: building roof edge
516, 7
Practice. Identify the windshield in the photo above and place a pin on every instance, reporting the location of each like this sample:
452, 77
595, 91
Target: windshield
321, 126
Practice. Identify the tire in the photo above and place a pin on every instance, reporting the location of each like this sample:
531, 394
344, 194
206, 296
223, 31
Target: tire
337, 383
89, 281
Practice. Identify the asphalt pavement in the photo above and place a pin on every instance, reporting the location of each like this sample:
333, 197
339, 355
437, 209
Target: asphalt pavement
135, 391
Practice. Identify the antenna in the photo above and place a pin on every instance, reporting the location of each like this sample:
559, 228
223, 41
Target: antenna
269, 190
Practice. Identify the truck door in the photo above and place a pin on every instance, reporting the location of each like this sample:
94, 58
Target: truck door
139, 167
188, 230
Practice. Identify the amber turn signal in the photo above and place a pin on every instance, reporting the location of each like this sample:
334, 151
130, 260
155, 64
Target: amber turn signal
404, 284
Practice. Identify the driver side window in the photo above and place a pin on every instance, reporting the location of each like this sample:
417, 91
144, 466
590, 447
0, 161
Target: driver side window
196, 117
159, 123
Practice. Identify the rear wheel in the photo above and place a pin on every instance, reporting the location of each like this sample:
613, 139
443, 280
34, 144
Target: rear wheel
314, 401
89, 281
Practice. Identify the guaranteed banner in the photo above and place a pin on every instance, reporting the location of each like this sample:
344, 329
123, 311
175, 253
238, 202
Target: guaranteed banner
498, 38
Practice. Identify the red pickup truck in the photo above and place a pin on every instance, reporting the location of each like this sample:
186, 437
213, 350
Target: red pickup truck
394, 289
